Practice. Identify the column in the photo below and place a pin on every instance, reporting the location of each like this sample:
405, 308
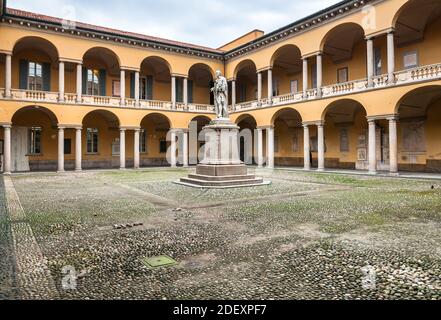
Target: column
7, 149
78, 152
270, 147
60, 149
270, 84
259, 86
79, 83
185, 148
233, 94
61, 82
173, 161
372, 147
321, 146
8, 76
122, 148
306, 148
137, 88
136, 149
305, 76
319, 74
185, 93
173, 93
393, 145
260, 148
391, 57
123, 87
370, 61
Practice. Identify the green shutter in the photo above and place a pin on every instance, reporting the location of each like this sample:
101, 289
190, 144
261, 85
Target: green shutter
24, 72
132, 85
102, 83
149, 94
46, 77
190, 91
179, 91
84, 81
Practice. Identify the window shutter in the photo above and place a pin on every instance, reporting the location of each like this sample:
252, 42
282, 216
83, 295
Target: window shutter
179, 91
46, 77
102, 83
132, 85
190, 91
24, 72
84, 83
149, 94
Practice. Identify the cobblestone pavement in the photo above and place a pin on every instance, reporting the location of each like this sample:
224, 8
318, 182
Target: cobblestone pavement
306, 236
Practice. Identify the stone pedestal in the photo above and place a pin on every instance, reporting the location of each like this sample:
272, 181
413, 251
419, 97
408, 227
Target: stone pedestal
221, 166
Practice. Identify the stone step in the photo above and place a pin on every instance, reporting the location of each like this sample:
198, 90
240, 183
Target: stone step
222, 178
217, 184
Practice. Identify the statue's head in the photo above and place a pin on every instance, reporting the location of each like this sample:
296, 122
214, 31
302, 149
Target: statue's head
218, 73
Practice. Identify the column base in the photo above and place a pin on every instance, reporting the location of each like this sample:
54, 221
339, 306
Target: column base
394, 174
320, 169
61, 171
373, 172
78, 170
6, 173
307, 169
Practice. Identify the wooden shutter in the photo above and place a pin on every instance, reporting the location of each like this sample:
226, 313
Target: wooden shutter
132, 85
46, 77
149, 93
24, 72
179, 91
84, 81
190, 91
102, 82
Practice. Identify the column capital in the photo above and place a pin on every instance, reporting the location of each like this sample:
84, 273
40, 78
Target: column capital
126, 68
6, 124
6, 52
314, 123
126, 128
266, 127
394, 117
61, 127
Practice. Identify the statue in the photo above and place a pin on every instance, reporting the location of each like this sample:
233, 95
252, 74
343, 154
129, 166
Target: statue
220, 91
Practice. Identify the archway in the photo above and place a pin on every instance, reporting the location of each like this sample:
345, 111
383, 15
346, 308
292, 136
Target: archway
247, 144
287, 70
246, 81
200, 81
155, 79
153, 140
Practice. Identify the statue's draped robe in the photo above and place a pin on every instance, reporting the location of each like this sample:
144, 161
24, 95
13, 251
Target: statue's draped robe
221, 97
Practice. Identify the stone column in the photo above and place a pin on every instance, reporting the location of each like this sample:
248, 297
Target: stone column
79, 83
137, 88
185, 93
305, 76
270, 147
260, 148
370, 61
173, 159
78, 152
270, 84
136, 149
8, 76
233, 94
7, 149
61, 82
321, 146
122, 148
259, 86
123, 87
319, 74
306, 148
391, 57
185, 148
173, 93
393, 145
372, 147
60, 149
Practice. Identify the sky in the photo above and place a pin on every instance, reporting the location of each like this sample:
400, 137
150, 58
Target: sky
210, 23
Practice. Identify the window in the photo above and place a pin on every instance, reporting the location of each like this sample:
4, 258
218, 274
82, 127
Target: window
276, 144
67, 146
294, 86
314, 76
1, 146
116, 88
143, 141
116, 147
377, 59
344, 140
35, 76
410, 60
35, 140
275, 87
342, 75
179, 90
92, 140
163, 146
93, 82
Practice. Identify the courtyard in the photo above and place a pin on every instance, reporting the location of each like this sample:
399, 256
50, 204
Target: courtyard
306, 236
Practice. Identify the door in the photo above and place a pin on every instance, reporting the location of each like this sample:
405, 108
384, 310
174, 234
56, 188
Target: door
19, 149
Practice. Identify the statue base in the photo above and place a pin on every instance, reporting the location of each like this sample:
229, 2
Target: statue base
221, 167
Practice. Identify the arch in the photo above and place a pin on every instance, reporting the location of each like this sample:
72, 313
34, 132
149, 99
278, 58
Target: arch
244, 64
348, 104
39, 44
285, 50
418, 100
159, 118
245, 116
337, 41
46, 111
285, 111
104, 54
155, 60
111, 117
201, 118
202, 66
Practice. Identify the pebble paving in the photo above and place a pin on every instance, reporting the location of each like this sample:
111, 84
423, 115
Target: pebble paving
306, 236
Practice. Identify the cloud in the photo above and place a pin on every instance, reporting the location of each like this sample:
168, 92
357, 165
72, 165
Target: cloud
205, 22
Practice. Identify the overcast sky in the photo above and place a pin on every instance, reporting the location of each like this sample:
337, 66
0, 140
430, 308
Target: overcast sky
210, 23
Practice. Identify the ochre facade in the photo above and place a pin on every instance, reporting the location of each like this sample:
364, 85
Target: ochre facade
357, 86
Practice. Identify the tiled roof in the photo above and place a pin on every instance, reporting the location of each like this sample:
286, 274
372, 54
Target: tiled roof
86, 26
